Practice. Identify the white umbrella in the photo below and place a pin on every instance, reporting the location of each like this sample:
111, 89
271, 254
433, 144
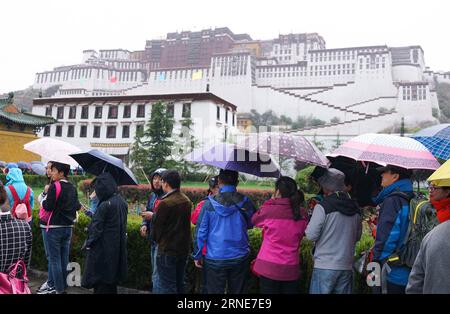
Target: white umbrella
51, 149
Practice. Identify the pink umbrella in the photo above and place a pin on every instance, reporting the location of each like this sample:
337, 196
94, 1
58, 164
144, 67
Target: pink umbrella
385, 149
289, 146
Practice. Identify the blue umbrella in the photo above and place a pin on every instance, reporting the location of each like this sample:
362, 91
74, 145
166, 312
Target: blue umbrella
11, 165
38, 169
97, 162
230, 157
436, 139
37, 163
23, 165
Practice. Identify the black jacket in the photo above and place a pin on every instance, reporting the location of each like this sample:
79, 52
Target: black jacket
340, 202
65, 207
106, 245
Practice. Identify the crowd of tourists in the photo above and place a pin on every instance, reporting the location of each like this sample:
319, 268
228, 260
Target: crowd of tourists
219, 244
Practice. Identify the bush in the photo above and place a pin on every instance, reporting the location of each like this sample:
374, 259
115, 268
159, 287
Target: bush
139, 193
36, 180
304, 183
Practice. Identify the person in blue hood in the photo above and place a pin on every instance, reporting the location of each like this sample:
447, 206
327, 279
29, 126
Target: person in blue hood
222, 224
392, 226
16, 184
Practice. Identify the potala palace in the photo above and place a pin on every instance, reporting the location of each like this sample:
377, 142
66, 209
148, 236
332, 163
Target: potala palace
369, 89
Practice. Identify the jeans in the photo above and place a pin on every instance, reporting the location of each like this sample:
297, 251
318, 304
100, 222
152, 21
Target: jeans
50, 281
58, 244
269, 286
171, 270
326, 281
232, 274
153, 254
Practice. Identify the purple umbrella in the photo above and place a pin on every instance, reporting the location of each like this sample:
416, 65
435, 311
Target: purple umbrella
285, 145
230, 157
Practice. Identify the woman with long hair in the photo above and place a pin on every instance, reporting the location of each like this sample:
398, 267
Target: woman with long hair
283, 221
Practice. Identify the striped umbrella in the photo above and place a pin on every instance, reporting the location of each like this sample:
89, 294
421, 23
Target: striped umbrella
436, 139
385, 149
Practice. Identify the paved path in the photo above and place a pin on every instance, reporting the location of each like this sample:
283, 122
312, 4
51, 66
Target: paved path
37, 278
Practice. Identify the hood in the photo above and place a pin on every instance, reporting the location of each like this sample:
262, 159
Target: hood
159, 192
341, 202
14, 176
404, 186
223, 210
105, 186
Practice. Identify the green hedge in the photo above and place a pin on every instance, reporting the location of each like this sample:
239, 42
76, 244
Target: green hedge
139, 269
36, 180
139, 193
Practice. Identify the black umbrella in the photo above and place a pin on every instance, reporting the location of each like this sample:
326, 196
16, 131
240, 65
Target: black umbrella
97, 162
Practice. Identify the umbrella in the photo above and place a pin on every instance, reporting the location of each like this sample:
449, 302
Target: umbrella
97, 162
38, 169
23, 165
11, 165
436, 139
37, 163
54, 150
3, 164
441, 177
387, 149
286, 145
230, 157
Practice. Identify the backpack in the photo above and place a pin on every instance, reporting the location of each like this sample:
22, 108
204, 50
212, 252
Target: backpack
44, 215
422, 219
20, 205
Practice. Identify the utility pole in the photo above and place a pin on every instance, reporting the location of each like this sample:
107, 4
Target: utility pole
402, 127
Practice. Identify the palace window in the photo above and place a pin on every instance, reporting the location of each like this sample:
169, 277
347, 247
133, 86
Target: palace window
85, 112
111, 131
58, 131
186, 110
140, 111
60, 113
47, 131
72, 112
113, 112
83, 131
98, 112
171, 110
218, 113
96, 131
127, 111
48, 111
71, 131
125, 131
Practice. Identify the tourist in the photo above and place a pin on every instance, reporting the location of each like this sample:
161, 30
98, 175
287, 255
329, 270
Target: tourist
335, 227
283, 221
19, 193
151, 207
15, 236
222, 225
434, 255
47, 287
171, 230
106, 244
392, 226
213, 189
63, 206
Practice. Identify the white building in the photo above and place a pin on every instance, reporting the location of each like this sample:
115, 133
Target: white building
367, 88
110, 123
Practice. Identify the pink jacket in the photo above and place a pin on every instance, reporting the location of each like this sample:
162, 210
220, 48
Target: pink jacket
278, 257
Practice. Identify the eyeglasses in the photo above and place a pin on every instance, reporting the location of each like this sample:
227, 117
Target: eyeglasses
433, 188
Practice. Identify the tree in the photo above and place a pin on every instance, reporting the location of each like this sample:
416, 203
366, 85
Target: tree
337, 142
382, 110
152, 147
184, 144
158, 137
335, 120
319, 144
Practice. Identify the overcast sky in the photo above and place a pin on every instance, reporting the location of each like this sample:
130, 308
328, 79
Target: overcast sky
40, 35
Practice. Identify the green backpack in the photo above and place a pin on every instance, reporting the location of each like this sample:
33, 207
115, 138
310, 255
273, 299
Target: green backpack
422, 219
